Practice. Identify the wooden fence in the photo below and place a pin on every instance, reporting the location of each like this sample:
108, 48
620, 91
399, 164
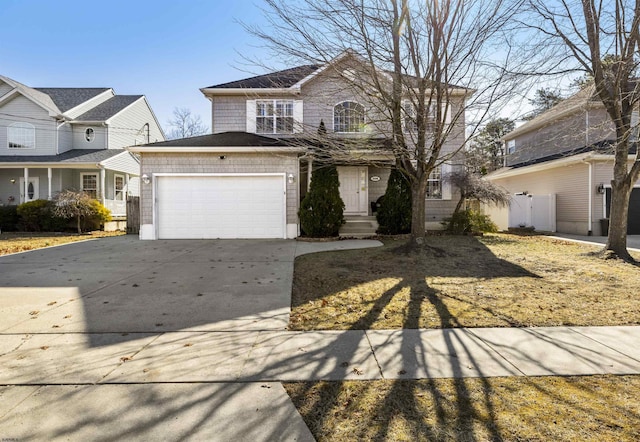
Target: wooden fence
133, 214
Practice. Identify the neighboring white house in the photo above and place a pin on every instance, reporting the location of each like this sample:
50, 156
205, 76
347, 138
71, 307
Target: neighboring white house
259, 125
566, 152
53, 139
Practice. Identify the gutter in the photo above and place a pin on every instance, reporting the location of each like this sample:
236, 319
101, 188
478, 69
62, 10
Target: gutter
215, 149
257, 92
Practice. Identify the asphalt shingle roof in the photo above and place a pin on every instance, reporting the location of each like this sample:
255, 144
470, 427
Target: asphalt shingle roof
280, 79
225, 139
72, 156
109, 108
66, 98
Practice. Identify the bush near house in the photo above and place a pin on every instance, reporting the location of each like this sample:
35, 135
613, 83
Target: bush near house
37, 216
322, 210
89, 214
469, 221
394, 213
9, 218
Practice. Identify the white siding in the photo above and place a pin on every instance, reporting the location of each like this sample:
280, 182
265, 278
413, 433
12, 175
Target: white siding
127, 128
89, 104
124, 163
21, 109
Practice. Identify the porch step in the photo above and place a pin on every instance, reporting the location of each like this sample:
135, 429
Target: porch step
359, 226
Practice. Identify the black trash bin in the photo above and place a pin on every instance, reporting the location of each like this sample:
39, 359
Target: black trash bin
604, 226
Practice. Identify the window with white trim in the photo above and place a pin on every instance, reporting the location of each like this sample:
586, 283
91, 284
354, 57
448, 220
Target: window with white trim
89, 184
434, 184
21, 136
410, 116
274, 116
118, 187
348, 117
89, 134
511, 146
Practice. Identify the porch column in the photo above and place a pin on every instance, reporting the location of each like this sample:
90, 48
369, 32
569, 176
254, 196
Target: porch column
49, 176
25, 185
102, 186
309, 167
126, 183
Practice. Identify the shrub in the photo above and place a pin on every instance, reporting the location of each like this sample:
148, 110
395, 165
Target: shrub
469, 221
322, 210
87, 212
394, 213
38, 216
9, 218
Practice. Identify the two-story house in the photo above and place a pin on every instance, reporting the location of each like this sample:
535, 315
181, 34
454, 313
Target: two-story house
53, 139
566, 152
247, 178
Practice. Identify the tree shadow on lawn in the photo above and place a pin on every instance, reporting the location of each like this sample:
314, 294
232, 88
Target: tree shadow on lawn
471, 414
400, 287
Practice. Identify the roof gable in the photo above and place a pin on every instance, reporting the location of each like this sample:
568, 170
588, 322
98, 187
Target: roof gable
109, 108
280, 79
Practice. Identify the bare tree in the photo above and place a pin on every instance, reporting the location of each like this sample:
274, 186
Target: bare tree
602, 39
420, 65
71, 204
472, 186
185, 125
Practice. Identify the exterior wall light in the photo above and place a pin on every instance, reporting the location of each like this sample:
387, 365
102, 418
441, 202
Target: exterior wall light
12, 181
146, 179
600, 188
290, 178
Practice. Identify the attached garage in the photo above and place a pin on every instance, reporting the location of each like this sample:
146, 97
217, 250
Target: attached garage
195, 206
228, 185
633, 226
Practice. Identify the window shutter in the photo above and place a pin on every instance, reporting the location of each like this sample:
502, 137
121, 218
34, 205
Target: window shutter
298, 116
251, 116
445, 170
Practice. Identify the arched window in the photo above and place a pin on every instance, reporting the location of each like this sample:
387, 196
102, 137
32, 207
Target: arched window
348, 116
21, 136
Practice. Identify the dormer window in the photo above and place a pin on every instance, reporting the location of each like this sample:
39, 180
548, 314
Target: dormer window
21, 136
348, 117
89, 134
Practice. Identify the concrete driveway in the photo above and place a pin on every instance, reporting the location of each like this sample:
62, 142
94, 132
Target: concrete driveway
123, 285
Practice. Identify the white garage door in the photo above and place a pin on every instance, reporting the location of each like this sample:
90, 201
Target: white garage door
198, 207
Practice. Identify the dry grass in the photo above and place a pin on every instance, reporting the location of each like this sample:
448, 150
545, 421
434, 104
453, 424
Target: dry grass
595, 408
458, 281
21, 242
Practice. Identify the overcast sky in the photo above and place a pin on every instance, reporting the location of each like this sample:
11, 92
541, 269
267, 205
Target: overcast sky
166, 50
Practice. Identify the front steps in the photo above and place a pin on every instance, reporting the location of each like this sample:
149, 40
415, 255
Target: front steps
358, 226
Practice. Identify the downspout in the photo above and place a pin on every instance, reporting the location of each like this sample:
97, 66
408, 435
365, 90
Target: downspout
590, 180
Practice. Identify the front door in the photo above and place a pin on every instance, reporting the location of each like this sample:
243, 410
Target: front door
354, 190
33, 190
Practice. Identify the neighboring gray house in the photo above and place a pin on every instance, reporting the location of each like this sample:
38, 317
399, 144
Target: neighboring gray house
246, 180
566, 152
53, 139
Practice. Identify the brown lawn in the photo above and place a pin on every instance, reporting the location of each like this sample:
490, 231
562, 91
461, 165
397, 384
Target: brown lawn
11, 242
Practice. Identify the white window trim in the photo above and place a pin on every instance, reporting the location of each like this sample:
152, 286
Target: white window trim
115, 189
438, 180
87, 138
409, 111
97, 175
21, 125
364, 117
510, 146
274, 103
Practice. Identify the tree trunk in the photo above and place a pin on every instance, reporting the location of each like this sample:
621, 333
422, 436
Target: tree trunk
418, 195
618, 219
78, 223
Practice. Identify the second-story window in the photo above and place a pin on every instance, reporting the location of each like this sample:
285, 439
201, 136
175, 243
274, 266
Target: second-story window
274, 116
511, 146
21, 136
348, 117
434, 184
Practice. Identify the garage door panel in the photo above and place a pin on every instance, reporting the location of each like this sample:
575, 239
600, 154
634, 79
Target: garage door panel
220, 207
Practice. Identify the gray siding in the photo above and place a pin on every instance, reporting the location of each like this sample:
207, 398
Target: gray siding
229, 114
575, 131
211, 163
4, 88
65, 138
20, 109
127, 128
124, 163
80, 141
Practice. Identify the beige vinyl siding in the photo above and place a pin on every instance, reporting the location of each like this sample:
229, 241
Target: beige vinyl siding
123, 163
211, 163
569, 184
89, 104
99, 137
65, 138
127, 127
21, 109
